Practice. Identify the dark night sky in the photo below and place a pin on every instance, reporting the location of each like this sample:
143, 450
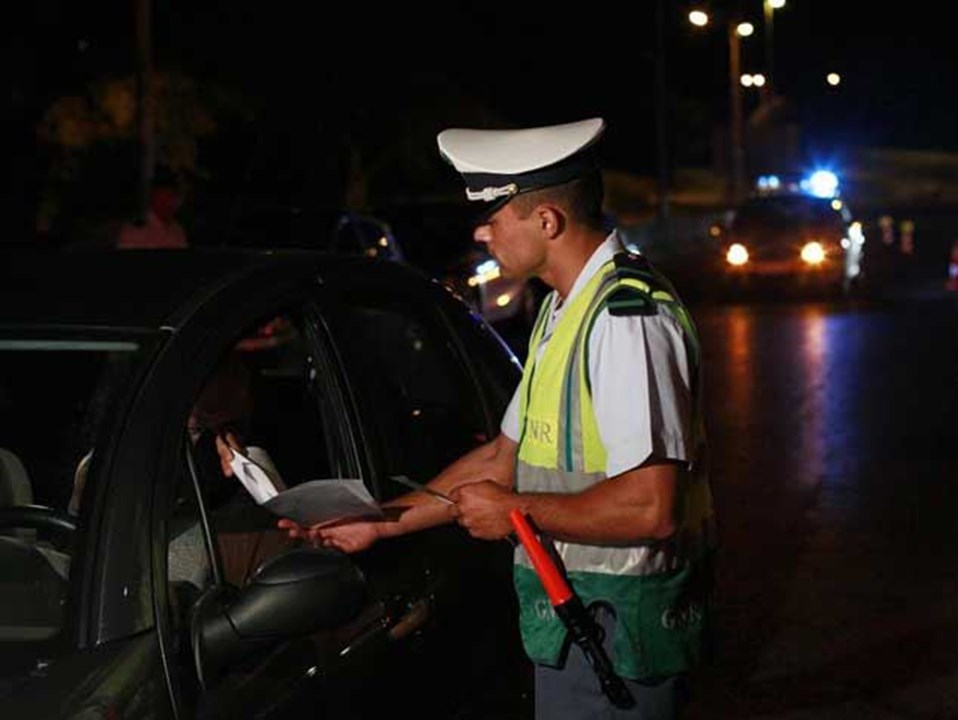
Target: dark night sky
525, 63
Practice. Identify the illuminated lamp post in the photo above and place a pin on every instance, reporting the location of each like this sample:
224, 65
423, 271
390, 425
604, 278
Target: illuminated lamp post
736, 31
769, 7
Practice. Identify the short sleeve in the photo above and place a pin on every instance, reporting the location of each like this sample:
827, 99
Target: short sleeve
510, 418
640, 375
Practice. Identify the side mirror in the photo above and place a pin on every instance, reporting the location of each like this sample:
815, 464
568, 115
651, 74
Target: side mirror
298, 593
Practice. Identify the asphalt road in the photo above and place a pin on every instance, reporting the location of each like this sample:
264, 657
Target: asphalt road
834, 435
834, 454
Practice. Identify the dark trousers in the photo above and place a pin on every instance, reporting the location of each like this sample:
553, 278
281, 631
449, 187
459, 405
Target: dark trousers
573, 692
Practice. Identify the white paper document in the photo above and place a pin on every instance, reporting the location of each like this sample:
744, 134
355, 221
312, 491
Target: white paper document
322, 501
256, 471
309, 503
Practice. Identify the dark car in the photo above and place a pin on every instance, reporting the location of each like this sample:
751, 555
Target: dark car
139, 581
790, 242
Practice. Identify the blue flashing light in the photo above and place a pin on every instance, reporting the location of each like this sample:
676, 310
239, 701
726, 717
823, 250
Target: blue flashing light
821, 183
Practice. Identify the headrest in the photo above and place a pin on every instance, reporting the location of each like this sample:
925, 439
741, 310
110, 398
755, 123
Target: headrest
15, 486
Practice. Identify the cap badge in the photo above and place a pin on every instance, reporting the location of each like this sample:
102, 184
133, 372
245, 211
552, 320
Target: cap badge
488, 194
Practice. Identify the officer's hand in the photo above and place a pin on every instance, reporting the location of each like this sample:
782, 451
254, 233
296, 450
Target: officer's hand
483, 509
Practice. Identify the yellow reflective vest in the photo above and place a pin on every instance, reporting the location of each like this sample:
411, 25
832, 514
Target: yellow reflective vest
658, 590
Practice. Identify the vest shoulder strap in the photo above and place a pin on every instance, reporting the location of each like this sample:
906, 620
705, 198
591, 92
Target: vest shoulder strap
632, 286
629, 300
635, 272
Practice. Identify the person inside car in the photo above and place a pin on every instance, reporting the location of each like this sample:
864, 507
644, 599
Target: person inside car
217, 426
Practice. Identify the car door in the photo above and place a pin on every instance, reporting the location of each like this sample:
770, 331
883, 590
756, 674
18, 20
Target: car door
272, 386
303, 367
422, 400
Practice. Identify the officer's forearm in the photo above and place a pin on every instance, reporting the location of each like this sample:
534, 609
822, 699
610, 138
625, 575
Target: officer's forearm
636, 506
494, 460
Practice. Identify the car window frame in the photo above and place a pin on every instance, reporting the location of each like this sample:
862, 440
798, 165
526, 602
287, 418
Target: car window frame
427, 304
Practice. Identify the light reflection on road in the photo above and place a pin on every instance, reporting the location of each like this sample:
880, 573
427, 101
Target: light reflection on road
833, 432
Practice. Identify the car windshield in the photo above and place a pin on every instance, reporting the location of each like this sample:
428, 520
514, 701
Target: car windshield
783, 213
55, 394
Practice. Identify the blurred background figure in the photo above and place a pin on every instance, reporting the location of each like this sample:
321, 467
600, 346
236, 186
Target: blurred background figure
160, 227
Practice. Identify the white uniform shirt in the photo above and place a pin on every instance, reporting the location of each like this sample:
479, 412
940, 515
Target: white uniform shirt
641, 377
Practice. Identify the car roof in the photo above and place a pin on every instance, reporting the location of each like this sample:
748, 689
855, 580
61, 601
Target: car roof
142, 288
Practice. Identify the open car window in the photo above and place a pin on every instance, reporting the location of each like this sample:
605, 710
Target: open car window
271, 396
419, 401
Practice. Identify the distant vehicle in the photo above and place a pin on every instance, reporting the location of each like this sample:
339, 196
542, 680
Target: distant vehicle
791, 239
499, 300
165, 591
365, 235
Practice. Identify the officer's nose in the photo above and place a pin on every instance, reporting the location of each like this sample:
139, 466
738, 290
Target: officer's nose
481, 233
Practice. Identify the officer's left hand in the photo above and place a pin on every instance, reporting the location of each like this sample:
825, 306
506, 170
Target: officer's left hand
483, 509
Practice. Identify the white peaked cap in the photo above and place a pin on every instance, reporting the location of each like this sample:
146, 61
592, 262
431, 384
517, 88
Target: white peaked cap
497, 164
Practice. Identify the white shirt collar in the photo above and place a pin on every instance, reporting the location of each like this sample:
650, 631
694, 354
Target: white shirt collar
602, 254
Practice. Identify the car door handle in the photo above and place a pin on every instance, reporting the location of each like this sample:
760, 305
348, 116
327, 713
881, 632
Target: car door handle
416, 616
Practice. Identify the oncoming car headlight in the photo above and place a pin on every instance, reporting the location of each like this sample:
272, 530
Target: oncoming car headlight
736, 254
813, 253
485, 271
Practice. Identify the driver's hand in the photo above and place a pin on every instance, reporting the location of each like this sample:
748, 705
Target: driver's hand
347, 535
225, 444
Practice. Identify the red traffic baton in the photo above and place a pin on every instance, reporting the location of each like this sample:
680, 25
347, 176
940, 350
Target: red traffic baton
582, 627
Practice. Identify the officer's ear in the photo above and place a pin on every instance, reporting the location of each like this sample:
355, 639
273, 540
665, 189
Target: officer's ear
551, 219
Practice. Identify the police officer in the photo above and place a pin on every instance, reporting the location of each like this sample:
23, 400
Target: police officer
603, 444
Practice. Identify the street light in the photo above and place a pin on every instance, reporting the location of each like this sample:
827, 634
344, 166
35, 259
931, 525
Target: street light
769, 7
736, 31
